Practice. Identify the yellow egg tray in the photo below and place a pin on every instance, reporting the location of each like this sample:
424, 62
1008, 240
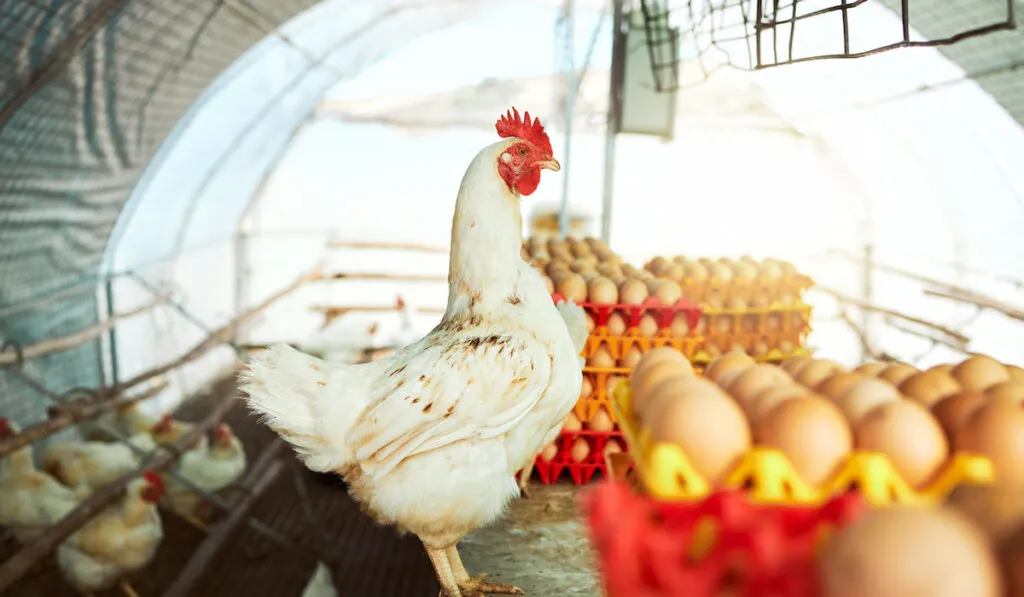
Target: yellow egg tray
666, 472
774, 290
702, 358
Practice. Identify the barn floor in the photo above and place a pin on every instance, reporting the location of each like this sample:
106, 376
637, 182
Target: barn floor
541, 546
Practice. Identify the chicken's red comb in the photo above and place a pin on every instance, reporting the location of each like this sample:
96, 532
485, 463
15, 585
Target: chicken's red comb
5, 428
153, 479
510, 125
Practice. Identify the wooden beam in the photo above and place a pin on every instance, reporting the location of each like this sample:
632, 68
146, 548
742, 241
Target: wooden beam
353, 244
383, 276
868, 349
63, 416
977, 299
75, 339
262, 474
26, 559
341, 310
867, 306
906, 329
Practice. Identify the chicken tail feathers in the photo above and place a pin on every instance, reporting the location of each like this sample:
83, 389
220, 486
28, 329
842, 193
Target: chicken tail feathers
288, 390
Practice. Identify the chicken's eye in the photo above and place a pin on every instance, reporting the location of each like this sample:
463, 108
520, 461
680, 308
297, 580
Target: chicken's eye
522, 150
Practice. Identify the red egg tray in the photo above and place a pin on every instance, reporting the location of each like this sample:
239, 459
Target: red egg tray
663, 314
581, 473
646, 547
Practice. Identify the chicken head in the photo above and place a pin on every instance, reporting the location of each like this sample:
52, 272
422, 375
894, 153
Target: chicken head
154, 488
521, 162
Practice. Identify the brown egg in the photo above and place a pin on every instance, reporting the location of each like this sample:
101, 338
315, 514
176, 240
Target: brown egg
812, 432
572, 423
612, 447
549, 452
574, 287
631, 358
952, 411
602, 291
996, 509
909, 552
647, 327
1016, 373
586, 388
649, 375
734, 360
871, 369
909, 435
1008, 390
671, 388
601, 358
616, 325
944, 368
1011, 556
980, 372
896, 373
712, 432
816, 371
580, 450
928, 387
793, 365
668, 292
590, 323
864, 396
755, 380
659, 355
996, 430
549, 284
680, 326
601, 421
767, 400
633, 292
834, 386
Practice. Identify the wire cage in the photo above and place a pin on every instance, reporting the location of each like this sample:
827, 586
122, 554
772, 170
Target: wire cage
690, 39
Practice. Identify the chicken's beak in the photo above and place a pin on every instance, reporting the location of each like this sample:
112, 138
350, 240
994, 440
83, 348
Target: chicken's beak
550, 164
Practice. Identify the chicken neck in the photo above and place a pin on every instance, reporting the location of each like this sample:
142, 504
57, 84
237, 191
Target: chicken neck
486, 239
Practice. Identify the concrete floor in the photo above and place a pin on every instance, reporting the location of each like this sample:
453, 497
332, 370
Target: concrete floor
541, 546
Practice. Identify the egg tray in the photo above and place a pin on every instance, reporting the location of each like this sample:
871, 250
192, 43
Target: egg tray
772, 325
768, 476
723, 544
762, 290
663, 314
774, 356
549, 471
618, 346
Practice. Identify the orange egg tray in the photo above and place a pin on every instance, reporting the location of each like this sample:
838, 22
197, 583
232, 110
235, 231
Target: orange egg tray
663, 314
722, 545
760, 290
666, 471
581, 472
758, 331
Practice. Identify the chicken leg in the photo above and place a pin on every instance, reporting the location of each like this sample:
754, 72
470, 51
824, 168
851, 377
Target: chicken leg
128, 590
476, 584
524, 480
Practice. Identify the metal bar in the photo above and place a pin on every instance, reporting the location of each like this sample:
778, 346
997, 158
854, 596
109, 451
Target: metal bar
867, 294
394, 277
570, 106
615, 78
112, 338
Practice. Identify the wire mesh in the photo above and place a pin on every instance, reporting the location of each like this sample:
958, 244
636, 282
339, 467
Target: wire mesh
690, 39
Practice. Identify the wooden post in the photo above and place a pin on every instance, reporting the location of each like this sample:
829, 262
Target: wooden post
23, 561
842, 298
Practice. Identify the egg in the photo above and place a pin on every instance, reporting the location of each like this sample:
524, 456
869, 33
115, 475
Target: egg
815, 372
909, 552
646, 376
680, 326
609, 383
835, 385
633, 292
864, 396
909, 435
572, 423
616, 324
1011, 556
660, 355
549, 284
929, 387
734, 360
1016, 373
601, 421
1008, 390
813, 434
793, 365
601, 359
765, 401
871, 369
590, 323
586, 388
573, 287
996, 509
670, 389
952, 411
698, 272
549, 452
580, 450
668, 292
980, 372
632, 356
996, 429
647, 327
895, 373
712, 432
755, 380
602, 291
612, 447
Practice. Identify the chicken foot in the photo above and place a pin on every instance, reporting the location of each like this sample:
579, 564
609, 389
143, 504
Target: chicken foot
476, 583
456, 582
524, 480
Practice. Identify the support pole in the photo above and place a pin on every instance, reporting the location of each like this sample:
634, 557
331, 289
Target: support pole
614, 118
570, 105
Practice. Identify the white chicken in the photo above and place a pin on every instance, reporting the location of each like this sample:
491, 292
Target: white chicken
430, 438
119, 540
168, 430
94, 464
320, 584
30, 500
211, 469
127, 420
